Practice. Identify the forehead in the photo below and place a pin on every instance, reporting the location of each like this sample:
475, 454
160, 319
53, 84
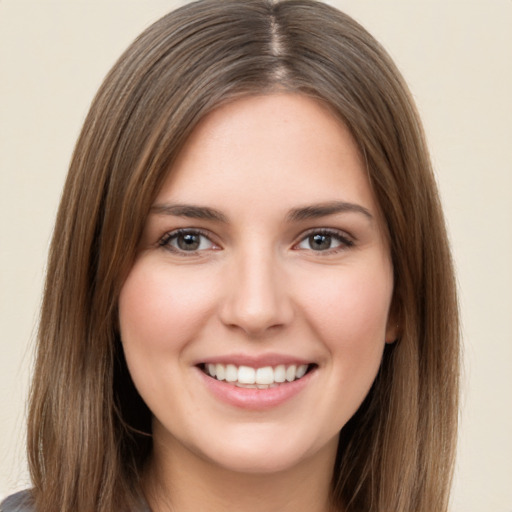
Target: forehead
281, 149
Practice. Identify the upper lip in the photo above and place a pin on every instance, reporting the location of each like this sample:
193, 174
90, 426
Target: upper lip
255, 361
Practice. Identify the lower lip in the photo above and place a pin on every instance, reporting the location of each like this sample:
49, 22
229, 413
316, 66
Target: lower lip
251, 398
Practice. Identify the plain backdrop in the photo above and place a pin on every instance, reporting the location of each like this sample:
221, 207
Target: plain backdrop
456, 57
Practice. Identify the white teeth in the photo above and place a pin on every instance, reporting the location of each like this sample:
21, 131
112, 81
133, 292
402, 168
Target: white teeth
279, 373
249, 386
301, 371
265, 375
220, 371
290, 373
261, 378
231, 373
246, 375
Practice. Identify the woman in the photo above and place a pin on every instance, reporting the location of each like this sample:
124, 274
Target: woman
250, 301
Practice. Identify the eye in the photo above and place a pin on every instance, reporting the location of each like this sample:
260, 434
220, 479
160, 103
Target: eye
324, 240
186, 240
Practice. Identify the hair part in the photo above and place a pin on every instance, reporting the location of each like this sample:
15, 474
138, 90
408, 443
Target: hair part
88, 435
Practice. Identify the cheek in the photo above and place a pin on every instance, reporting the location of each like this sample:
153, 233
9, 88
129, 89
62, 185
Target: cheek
349, 309
158, 309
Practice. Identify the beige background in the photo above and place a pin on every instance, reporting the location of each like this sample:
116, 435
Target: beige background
457, 58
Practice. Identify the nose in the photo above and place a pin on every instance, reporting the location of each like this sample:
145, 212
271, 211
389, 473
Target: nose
257, 299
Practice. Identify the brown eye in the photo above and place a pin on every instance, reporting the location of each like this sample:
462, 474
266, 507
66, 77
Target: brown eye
324, 241
186, 241
320, 242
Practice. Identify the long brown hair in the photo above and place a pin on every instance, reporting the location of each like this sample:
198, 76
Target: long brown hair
89, 431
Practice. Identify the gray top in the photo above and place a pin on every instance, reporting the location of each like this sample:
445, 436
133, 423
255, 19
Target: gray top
20, 502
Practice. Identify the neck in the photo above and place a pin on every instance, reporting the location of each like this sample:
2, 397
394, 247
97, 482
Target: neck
181, 481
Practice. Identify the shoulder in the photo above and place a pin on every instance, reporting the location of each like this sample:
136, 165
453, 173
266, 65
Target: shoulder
22, 502
19, 502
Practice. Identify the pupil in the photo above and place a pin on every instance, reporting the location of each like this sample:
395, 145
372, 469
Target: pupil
320, 242
188, 242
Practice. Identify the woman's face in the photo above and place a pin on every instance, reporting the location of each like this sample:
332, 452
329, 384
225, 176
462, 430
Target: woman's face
263, 257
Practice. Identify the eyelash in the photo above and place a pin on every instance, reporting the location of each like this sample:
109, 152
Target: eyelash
345, 241
166, 240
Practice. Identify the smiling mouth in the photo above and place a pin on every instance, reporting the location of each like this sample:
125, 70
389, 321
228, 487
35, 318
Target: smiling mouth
256, 378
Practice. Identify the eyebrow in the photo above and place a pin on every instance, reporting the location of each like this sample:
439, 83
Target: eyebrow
313, 211
189, 211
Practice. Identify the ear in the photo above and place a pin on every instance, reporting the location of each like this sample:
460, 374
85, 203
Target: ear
392, 329
393, 324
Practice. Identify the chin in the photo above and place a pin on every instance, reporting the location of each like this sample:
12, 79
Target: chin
257, 454
256, 463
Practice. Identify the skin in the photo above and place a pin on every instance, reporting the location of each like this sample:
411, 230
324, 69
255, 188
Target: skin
256, 285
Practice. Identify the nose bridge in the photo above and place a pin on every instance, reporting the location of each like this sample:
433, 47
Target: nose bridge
257, 298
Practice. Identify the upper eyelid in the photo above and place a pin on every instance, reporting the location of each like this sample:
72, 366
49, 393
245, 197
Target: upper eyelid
336, 232
328, 231
346, 240
168, 235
